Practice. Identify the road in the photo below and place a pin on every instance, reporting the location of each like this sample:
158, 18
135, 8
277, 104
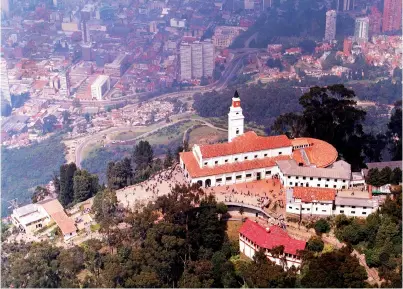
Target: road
100, 135
227, 75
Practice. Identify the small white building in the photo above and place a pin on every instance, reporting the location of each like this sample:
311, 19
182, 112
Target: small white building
329, 202
33, 217
253, 237
30, 218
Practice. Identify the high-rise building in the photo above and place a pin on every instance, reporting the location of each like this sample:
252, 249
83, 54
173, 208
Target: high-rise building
185, 54
197, 60
266, 4
64, 90
100, 86
375, 21
85, 32
330, 32
392, 15
5, 86
361, 30
208, 58
345, 5
5, 7
249, 4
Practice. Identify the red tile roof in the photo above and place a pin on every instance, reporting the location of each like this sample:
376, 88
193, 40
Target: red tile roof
248, 142
308, 194
320, 153
65, 223
192, 166
268, 240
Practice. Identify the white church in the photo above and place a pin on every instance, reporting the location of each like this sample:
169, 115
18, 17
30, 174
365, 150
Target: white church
246, 157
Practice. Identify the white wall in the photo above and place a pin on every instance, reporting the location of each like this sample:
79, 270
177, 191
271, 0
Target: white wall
249, 249
353, 212
291, 181
221, 160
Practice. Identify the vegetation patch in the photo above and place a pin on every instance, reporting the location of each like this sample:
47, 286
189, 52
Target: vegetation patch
25, 168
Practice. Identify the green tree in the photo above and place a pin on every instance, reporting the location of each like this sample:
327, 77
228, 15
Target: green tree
85, 185
337, 269
39, 194
66, 195
321, 226
48, 123
330, 114
315, 244
87, 117
143, 154
119, 174
385, 175
105, 207
395, 132
396, 176
168, 159
290, 124
373, 177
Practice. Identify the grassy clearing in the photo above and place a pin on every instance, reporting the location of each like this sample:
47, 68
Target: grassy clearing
205, 134
232, 230
168, 134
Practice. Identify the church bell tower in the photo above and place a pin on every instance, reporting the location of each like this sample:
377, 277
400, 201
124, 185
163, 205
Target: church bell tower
235, 118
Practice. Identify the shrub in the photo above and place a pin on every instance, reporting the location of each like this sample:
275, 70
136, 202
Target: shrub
315, 244
322, 226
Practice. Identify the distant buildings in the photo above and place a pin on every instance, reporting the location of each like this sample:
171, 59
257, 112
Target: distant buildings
345, 5
196, 60
185, 54
4, 86
5, 7
178, 23
208, 58
224, 35
392, 15
100, 87
330, 32
117, 67
361, 31
375, 21
249, 4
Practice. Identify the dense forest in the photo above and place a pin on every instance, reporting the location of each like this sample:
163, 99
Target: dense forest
260, 104
25, 168
181, 241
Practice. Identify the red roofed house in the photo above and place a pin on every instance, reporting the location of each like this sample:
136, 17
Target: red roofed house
308, 200
253, 237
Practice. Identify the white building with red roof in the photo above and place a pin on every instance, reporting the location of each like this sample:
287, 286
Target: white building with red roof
253, 237
248, 157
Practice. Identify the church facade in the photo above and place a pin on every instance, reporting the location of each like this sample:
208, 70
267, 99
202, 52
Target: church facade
246, 157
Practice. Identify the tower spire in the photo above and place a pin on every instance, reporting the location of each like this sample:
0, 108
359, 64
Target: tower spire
235, 118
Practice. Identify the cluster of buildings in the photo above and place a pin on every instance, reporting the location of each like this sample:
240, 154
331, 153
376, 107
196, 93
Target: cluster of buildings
308, 168
32, 218
315, 182
196, 60
371, 24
